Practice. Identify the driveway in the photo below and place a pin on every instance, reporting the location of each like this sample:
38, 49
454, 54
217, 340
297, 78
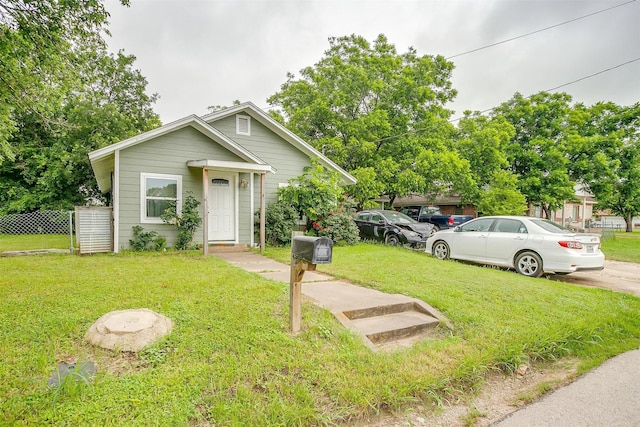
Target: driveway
617, 276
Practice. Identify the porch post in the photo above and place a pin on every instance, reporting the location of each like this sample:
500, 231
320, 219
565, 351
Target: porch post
262, 211
205, 211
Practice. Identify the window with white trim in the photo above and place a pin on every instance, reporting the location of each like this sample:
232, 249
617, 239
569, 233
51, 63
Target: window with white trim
157, 193
243, 125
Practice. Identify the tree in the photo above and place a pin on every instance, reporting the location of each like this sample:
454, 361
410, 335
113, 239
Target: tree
501, 196
483, 142
38, 56
537, 152
50, 168
606, 157
378, 114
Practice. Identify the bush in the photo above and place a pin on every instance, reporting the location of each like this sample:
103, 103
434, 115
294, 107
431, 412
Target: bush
280, 219
317, 194
340, 228
186, 223
145, 241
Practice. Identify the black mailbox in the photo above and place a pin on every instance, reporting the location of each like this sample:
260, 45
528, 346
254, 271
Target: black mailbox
316, 250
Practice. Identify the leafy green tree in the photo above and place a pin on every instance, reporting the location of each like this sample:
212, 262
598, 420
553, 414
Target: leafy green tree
39, 42
483, 142
50, 168
501, 196
606, 156
378, 114
537, 153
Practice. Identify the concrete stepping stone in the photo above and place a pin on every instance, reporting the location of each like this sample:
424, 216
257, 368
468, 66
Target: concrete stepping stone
129, 330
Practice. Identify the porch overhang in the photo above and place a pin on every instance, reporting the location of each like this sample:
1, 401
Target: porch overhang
230, 166
217, 165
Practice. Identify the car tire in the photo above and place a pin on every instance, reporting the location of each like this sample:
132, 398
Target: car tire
392, 240
441, 250
529, 264
436, 228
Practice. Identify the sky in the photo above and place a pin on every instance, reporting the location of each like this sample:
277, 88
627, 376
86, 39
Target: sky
197, 54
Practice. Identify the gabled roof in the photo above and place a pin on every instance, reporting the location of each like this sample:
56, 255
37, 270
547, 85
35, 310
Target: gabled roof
284, 133
102, 160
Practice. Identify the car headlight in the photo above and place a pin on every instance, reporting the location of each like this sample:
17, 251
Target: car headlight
410, 233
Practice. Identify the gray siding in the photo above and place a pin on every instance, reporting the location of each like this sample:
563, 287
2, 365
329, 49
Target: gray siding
167, 154
285, 158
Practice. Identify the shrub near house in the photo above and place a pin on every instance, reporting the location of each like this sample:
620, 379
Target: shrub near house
317, 196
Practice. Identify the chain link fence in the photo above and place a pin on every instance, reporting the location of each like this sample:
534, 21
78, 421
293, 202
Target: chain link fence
47, 230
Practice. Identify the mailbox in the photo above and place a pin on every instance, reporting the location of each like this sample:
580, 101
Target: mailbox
315, 250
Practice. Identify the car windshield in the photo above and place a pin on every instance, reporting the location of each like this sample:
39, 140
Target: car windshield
551, 227
398, 218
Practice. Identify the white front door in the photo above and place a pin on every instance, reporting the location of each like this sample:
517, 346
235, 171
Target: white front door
222, 207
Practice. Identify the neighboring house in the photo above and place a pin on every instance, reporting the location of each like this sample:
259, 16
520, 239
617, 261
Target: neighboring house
576, 213
232, 160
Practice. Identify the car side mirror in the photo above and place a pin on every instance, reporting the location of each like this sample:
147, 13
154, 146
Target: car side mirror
457, 228
381, 222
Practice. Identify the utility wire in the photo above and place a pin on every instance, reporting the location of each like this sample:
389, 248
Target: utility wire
564, 84
540, 30
594, 74
413, 131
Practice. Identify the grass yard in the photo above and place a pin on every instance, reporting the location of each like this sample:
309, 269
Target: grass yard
623, 247
230, 359
24, 242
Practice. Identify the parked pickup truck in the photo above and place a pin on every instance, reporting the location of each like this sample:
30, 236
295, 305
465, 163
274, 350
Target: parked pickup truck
432, 215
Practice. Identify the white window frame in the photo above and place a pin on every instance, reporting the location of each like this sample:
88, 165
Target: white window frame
143, 195
239, 130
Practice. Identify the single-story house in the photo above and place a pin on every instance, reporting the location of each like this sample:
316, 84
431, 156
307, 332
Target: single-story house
232, 160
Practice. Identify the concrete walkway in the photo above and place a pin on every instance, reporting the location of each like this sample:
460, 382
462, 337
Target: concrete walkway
368, 312
607, 396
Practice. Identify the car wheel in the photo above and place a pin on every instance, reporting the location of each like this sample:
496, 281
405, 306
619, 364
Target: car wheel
436, 228
529, 264
440, 250
392, 240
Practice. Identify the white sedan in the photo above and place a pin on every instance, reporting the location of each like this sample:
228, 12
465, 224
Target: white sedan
532, 246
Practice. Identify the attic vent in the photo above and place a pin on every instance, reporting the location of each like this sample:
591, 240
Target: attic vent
243, 125
220, 182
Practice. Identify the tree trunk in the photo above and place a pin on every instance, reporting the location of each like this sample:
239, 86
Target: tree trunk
628, 219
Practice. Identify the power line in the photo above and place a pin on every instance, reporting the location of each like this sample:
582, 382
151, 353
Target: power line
540, 30
564, 84
594, 74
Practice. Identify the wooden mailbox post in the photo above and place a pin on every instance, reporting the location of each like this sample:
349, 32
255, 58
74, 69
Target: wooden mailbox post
306, 252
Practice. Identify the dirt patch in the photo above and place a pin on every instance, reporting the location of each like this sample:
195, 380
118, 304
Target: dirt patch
500, 395
617, 276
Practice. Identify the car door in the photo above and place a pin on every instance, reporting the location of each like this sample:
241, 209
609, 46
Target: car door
364, 225
469, 242
377, 227
505, 239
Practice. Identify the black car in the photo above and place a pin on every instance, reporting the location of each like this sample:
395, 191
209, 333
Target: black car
393, 228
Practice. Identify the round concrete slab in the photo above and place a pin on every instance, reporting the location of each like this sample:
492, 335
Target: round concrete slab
128, 330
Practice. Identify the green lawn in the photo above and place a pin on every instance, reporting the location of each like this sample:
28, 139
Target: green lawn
23, 242
231, 360
623, 247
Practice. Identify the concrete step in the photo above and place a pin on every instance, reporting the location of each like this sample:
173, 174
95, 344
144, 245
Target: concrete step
394, 326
